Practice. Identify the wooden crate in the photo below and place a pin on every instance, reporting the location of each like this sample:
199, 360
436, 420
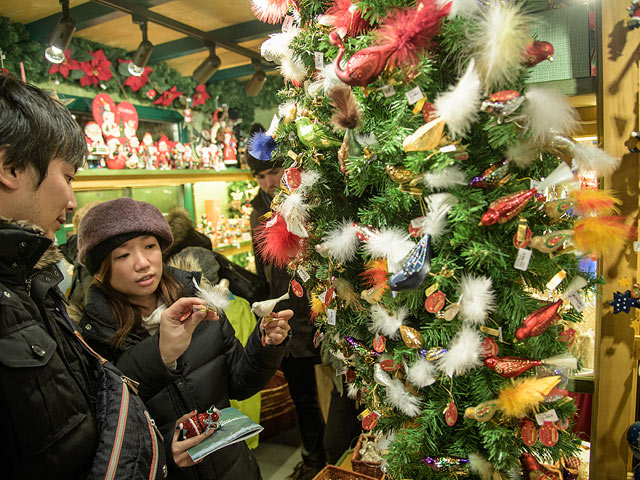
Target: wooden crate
368, 468
336, 473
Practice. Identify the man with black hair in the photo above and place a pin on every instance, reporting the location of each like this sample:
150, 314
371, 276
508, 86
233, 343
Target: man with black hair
298, 365
48, 383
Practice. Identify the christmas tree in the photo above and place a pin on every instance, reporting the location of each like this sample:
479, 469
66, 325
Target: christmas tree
432, 209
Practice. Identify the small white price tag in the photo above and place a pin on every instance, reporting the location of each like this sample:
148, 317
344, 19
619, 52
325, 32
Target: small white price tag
388, 90
414, 95
303, 274
550, 416
448, 148
534, 183
287, 23
331, 316
636, 246
318, 58
523, 259
576, 300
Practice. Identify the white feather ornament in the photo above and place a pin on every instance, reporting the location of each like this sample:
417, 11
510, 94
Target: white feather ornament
593, 159
561, 174
422, 373
275, 123
342, 242
326, 81
295, 212
352, 391
477, 299
388, 325
216, 297
276, 47
293, 70
308, 179
392, 244
522, 154
498, 43
564, 360
547, 113
463, 8
401, 399
286, 107
435, 220
479, 465
445, 178
464, 353
460, 105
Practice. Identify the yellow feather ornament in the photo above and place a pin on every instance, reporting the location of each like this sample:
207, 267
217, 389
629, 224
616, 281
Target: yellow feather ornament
317, 307
347, 293
601, 235
525, 395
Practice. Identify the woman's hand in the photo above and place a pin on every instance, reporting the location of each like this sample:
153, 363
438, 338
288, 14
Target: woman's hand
177, 324
179, 447
275, 328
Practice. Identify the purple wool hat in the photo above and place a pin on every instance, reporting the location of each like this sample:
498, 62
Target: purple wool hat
109, 224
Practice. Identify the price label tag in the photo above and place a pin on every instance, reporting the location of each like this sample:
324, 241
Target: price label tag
448, 148
414, 95
388, 90
490, 331
576, 301
303, 274
550, 416
523, 259
636, 246
287, 23
331, 316
318, 58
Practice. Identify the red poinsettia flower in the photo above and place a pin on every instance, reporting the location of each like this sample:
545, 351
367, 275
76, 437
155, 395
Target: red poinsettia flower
201, 95
96, 70
168, 96
136, 83
66, 66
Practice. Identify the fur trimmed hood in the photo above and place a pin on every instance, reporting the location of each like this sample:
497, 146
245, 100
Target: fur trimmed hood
50, 256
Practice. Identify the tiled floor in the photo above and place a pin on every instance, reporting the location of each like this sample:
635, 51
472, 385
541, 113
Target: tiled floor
278, 455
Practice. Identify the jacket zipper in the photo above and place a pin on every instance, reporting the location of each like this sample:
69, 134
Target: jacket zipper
132, 384
153, 430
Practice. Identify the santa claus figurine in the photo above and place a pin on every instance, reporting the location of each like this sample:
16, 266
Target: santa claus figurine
201, 423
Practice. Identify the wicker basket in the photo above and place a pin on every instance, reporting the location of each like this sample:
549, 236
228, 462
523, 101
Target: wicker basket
368, 468
336, 473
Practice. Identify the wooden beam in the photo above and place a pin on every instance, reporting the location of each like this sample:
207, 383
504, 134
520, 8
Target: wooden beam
615, 364
237, 72
85, 15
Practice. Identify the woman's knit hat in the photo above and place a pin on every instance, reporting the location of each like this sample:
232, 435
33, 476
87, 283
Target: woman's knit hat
109, 224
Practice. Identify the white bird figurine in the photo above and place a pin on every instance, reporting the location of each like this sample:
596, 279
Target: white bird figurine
265, 308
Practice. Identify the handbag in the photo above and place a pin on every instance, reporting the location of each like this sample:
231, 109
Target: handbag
129, 443
242, 282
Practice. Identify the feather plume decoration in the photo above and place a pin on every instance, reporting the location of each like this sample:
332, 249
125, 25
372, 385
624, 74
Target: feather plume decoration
277, 46
293, 70
479, 465
216, 297
593, 159
477, 299
463, 8
352, 391
392, 244
561, 174
422, 373
348, 112
446, 178
401, 399
273, 127
524, 396
317, 306
375, 273
276, 243
295, 212
261, 146
409, 31
270, 11
342, 242
601, 202
435, 221
547, 113
287, 108
497, 44
308, 178
523, 154
459, 106
564, 360
326, 80
345, 291
388, 325
602, 235
463, 353
346, 18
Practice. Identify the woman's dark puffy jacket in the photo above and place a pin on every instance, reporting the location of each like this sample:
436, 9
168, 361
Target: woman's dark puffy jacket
214, 369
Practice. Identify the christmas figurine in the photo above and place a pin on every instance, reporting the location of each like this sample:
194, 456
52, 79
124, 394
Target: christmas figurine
634, 14
201, 423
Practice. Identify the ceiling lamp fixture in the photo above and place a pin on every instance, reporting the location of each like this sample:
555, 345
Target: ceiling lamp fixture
142, 54
209, 66
61, 36
257, 81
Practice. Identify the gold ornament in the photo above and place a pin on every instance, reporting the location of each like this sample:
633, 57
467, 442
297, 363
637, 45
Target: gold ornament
427, 137
411, 337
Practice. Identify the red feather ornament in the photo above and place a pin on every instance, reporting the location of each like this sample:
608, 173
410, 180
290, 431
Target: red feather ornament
270, 11
346, 18
276, 243
410, 31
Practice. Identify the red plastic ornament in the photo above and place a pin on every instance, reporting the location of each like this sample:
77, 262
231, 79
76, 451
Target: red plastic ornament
537, 52
291, 179
567, 336
201, 423
370, 421
489, 347
451, 414
435, 302
428, 111
505, 208
537, 322
363, 67
296, 288
510, 367
529, 433
350, 376
389, 365
549, 434
379, 343
533, 470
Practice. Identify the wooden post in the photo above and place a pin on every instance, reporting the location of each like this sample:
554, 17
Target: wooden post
615, 364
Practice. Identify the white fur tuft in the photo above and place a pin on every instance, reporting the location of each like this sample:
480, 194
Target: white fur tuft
477, 299
593, 159
401, 399
326, 81
546, 113
308, 180
445, 178
342, 242
352, 391
463, 8
295, 212
479, 465
216, 297
392, 244
561, 174
522, 154
463, 353
460, 105
422, 373
388, 325
435, 220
